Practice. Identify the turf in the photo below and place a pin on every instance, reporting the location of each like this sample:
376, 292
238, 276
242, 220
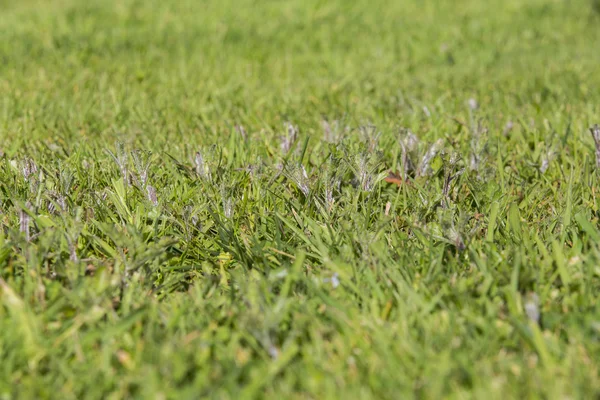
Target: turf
196, 202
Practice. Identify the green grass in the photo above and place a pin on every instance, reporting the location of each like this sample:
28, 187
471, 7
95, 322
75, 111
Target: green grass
275, 263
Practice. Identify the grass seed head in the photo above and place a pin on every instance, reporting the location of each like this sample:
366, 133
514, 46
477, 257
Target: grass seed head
331, 131
532, 308
141, 162
202, 168
24, 222
289, 138
242, 132
424, 167
473, 105
595, 131
299, 177
409, 143
507, 128
120, 158
370, 136
152, 197
29, 168
228, 207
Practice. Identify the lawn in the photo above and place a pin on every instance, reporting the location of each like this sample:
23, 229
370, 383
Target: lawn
299, 199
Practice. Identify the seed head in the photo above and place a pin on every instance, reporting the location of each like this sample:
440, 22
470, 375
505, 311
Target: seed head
202, 168
152, 197
595, 131
532, 308
473, 104
288, 140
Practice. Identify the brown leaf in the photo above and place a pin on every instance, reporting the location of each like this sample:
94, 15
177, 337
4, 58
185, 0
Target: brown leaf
395, 178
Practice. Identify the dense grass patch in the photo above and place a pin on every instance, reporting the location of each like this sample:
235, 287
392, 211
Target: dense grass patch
196, 199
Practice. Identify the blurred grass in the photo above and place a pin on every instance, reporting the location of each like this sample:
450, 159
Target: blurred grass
95, 68
267, 265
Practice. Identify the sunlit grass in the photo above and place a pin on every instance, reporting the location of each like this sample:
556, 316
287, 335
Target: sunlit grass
196, 199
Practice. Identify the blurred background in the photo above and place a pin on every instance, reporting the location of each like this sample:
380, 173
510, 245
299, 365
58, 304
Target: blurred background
151, 69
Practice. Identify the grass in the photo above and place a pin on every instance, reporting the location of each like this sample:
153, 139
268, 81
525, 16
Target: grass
194, 204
